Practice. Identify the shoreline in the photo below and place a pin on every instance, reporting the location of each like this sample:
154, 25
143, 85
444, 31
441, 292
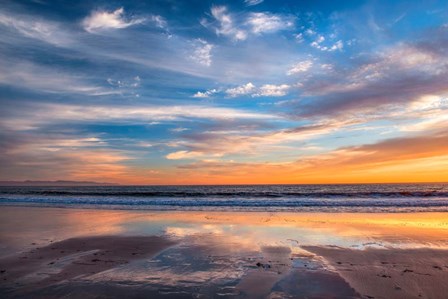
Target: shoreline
237, 209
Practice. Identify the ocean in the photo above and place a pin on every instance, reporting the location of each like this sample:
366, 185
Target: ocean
289, 198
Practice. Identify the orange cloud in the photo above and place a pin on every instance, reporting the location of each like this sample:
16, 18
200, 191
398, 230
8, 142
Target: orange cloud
412, 159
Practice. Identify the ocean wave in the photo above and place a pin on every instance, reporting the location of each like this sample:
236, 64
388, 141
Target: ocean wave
233, 194
265, 197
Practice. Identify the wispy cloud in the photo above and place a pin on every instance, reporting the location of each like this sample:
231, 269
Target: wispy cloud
254, 23
261, 22
35, 115
36, 28
393, 160
253, 2
294, 86
226, 23
300, 67
100, 20
400, 74
159, 21
50, 80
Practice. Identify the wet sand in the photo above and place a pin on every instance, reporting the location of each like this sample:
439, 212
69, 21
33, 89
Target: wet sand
75, 253
390, 273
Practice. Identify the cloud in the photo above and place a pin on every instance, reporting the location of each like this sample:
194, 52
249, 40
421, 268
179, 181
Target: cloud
392, 151
34, 115
261, 22
179, 130
59, 156
253, 2
205, 94
327, 66
416, 158
159, 21
226, 24
239, 28
400, 74
183, 155
271, 90
35, 28
265, 90
299, 37
300, 67
253, 139
339, 45
40, 78
135, 82
246, 89
202, 52
103, 20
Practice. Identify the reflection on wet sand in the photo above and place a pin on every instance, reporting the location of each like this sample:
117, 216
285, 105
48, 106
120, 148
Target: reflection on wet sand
91, 253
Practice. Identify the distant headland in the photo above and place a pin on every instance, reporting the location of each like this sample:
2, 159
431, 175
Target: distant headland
54, 183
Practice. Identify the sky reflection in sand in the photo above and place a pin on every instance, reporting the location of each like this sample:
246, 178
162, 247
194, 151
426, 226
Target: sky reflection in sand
234, 254
250, 230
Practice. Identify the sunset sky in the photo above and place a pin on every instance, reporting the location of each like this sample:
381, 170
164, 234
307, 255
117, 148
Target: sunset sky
223, 92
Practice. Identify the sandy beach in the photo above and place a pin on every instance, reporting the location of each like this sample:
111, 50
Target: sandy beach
76, 253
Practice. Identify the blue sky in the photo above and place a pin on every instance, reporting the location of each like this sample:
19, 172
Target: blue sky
180, 92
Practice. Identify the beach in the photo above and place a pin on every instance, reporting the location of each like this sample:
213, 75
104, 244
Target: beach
89, 253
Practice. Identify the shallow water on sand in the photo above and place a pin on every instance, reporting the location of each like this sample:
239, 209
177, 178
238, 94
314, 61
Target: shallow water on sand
213, 254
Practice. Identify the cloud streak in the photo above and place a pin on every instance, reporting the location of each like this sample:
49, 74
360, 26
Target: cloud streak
100, 20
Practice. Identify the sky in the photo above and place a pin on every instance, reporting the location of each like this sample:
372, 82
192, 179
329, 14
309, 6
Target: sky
224, 92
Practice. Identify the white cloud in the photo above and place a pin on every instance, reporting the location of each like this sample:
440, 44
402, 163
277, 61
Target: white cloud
159, 21
101, 20
316, 44
238, 28
270, 90
310, 32
300, 67
135, 82
183, 155
339, 45
37, 29
299, 37
326, 66
320, 39
265, 22
429, 102
178, 130
248, 88
252, 2
202, 52
179, 155
401, 57
226, 25
265, 90
205, 94
48, 79
41, 114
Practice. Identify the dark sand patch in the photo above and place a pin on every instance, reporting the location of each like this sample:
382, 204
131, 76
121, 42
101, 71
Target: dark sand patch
281, 274
74, 258
258, 283
390, 273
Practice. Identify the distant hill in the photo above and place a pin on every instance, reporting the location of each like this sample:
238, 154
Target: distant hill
54, 183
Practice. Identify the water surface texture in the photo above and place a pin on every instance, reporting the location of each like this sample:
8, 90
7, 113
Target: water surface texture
328, 198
